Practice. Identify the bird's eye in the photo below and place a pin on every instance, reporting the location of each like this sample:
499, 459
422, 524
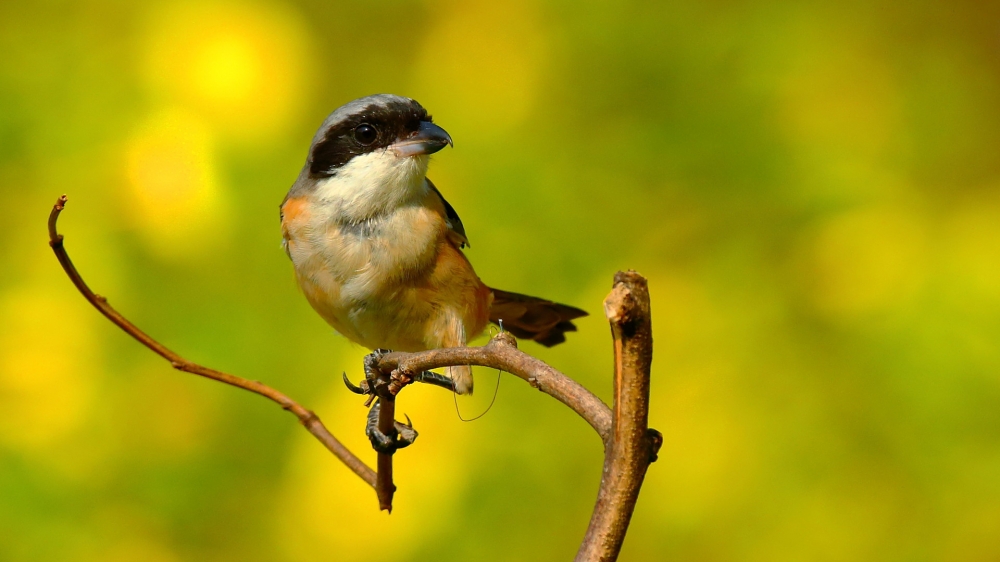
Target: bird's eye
365, 133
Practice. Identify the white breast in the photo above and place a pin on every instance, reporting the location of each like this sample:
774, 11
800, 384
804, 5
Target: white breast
372, 184
368, 238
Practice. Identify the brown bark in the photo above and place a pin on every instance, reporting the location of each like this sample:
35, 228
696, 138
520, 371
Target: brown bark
633, 445
501, 353
384, 487
629, 445
308, 419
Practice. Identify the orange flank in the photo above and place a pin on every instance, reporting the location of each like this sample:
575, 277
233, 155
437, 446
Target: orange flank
293, 217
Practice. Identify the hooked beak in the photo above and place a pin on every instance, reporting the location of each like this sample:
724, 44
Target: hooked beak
428, 139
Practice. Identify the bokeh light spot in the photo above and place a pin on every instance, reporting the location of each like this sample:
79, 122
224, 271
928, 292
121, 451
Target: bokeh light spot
226, 70
332, 498
483, 62
241, 66
46, 371
170, 165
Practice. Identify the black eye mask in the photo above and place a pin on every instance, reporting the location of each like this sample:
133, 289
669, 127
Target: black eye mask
374, 127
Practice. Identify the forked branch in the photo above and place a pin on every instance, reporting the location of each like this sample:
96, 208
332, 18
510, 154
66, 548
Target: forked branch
628, 444
308, 419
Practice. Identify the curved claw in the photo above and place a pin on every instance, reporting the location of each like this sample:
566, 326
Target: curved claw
405, 434
352, 388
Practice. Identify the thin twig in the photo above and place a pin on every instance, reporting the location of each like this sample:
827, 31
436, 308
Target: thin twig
311, 422
629, 445
633, 444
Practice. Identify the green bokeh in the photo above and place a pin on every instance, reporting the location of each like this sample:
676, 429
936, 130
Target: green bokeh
813, 192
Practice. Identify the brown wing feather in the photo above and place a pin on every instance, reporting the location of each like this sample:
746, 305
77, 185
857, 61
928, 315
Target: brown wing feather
533, 318
456, 229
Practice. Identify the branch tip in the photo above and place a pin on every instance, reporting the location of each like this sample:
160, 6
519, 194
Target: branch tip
629, 444
632, 445
503, 339
308, 419
616, 303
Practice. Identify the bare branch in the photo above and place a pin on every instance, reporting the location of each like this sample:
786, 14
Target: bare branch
308, 419
501, 353
633, 445
384, 487
629, 445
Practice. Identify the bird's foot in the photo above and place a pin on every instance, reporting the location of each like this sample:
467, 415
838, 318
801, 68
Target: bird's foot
374, 381
436, 379
399, 378
403, 435
373, 376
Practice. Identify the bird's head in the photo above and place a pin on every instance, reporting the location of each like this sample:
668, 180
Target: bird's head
383, 131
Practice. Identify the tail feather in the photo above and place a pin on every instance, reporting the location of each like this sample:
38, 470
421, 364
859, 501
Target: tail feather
533, 318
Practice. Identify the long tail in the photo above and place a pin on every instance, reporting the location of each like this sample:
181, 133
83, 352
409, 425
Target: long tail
533, 318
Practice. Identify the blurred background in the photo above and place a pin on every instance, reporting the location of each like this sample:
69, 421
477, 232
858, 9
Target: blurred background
813, 192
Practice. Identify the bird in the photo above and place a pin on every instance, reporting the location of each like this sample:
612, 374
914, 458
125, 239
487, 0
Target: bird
378, 251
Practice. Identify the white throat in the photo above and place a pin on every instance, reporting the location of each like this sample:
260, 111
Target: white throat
373, 184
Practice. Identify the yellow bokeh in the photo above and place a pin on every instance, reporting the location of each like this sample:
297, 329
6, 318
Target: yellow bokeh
483, 63
177, 419
811, 189
709, 443
133, 549
46, 371
171, 171
688, 314
241, 66
845, 521
867, 260
973, 242
329, 497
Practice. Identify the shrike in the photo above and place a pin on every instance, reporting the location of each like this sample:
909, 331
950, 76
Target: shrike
378, 250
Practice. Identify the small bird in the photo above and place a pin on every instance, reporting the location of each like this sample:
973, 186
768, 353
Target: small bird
377, 249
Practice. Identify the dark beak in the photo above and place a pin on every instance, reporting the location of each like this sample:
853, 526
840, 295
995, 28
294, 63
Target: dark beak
428, 139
